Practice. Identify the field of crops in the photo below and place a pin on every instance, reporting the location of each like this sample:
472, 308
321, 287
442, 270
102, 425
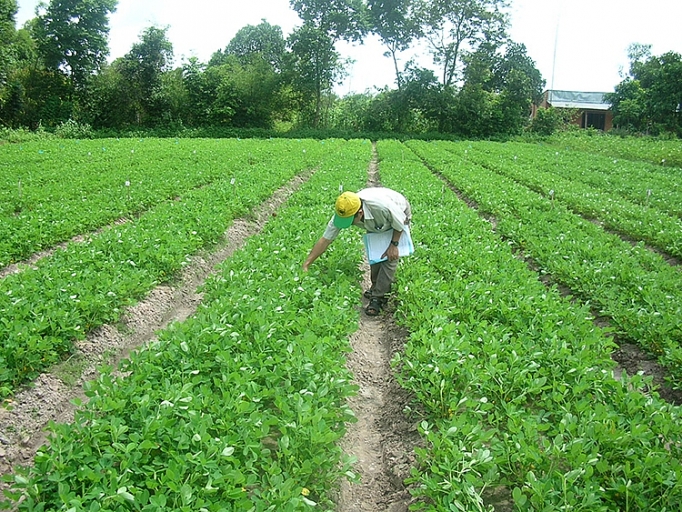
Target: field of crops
242, 406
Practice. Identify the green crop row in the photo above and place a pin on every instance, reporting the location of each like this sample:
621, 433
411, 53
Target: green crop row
52, 191
522, 409
241, 406
562, 182
43, 310
635, 288
641, 183
667, 153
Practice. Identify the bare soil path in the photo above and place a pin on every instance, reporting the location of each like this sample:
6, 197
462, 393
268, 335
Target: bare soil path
385, 434
384, 437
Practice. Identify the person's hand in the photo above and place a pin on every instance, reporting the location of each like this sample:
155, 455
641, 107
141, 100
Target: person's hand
391, 253
305, 266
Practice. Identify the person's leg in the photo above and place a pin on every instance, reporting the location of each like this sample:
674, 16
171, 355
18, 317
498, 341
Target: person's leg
373, 273
382, 275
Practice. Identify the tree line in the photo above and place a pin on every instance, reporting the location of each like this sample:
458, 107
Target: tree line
54, 70
649, 99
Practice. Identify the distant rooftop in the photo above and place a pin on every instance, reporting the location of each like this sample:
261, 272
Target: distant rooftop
577, 99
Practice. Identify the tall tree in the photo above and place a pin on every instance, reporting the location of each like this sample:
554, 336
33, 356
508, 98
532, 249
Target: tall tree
338, 19
516, 59
661, 78
143, 67
198, 95
629, 105
38, 98
499, 87
427, 101
315, 59
30, 95
315, 66
108, 103
72, 36
262, 42
456, 27
235, 94
638, 54
8, 11
244, 84
393, 21
519, 84
650, 98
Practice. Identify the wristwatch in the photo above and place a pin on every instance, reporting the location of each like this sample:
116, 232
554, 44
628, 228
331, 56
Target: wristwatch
394, 242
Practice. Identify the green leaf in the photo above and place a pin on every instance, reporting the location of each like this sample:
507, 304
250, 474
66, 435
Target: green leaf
123, 492
519, 498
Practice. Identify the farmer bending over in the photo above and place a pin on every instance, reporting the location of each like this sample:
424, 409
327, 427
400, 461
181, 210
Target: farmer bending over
376, 210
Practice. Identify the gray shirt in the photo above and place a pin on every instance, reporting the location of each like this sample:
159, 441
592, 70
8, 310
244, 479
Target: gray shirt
384, 210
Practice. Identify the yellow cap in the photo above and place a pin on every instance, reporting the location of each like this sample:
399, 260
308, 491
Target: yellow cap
347, 205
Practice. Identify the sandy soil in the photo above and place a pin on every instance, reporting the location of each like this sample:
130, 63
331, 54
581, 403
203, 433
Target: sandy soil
384, 437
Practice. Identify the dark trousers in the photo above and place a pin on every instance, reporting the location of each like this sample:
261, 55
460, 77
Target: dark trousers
382, 275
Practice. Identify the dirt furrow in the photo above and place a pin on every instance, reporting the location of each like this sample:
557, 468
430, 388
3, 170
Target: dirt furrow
383, 439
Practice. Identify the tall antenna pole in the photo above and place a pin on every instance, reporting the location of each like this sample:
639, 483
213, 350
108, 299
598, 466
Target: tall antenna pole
556, 41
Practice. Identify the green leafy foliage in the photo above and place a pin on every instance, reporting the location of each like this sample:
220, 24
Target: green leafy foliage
648, 99
641, 201
85, 285
240, 406
665, 152
634, 287
516, 381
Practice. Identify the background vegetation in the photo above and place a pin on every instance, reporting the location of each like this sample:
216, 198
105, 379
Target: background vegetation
54, 73
55, 76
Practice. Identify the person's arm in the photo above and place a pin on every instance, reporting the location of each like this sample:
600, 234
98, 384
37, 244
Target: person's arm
317, 250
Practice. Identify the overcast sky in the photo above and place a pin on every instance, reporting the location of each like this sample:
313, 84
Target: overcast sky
577, 45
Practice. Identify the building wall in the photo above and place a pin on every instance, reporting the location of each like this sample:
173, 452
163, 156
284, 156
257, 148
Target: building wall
580, 117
